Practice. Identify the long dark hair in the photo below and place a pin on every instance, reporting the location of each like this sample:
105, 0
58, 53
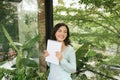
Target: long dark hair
57, 26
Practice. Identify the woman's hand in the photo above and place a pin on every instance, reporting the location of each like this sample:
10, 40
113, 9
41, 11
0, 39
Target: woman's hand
59, 55
45, 53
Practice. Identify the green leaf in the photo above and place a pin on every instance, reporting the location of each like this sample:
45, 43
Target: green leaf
25, 62
31, 42
80, 55
91, 53
84, 77
9, 39
81, 52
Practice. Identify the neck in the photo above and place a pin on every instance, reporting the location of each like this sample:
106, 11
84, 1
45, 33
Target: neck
63, 46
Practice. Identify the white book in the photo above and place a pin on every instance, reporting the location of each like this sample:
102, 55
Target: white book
52, 47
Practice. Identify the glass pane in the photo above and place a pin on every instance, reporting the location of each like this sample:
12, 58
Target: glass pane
28, 23
8, 19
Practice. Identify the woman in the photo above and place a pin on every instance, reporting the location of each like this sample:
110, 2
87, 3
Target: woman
67, 59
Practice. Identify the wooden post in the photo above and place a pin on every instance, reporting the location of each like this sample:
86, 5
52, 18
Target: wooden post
42, 31
45, 25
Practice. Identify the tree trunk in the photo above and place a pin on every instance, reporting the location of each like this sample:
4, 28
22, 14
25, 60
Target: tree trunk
42, 31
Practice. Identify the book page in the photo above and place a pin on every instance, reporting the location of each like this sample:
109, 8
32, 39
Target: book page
52, 47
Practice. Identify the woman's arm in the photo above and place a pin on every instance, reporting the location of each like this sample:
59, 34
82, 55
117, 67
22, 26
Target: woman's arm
70, 64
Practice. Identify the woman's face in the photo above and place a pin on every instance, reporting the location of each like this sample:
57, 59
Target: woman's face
61, 34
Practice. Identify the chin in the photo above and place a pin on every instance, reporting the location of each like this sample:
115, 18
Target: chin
60, 40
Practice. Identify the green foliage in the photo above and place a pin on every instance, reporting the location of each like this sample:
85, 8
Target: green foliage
8, 18
9, 38
83, 77
98, 25
80, 55
95, 26
114, 60
101, 68
28, 62
31, 42
25, 69
108, 4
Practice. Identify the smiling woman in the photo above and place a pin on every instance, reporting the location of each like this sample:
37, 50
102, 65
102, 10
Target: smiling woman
66, 56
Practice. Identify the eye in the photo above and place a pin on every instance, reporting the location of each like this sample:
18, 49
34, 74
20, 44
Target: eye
59, 30
65, 31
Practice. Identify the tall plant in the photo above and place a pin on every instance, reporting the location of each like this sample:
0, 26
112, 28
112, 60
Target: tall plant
25, 69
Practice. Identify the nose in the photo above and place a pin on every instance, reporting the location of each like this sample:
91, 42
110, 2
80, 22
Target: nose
62, 33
